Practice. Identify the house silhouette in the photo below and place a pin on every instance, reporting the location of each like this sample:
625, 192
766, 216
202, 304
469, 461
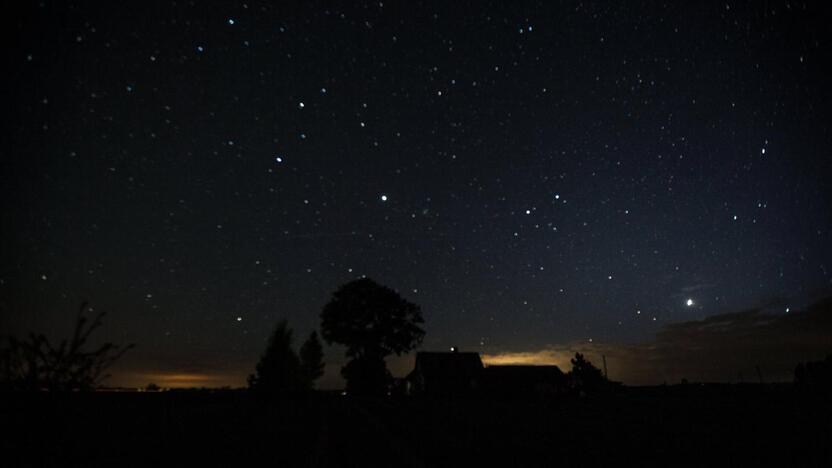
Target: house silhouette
445, 374
454, 373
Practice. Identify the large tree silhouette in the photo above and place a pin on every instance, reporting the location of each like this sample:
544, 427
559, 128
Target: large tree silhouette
312, 359
372, 321
281, 371
278, 370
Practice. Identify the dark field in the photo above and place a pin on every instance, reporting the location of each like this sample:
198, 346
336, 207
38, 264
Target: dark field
675, 426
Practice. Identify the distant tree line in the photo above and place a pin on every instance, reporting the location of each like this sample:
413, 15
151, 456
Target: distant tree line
814, 374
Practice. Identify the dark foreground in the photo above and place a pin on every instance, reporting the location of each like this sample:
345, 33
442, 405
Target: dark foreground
681, 426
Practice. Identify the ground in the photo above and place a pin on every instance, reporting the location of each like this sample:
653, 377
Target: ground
677, 426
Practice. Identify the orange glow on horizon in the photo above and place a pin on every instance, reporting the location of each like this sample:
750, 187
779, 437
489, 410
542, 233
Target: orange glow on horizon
178, 379
535, 358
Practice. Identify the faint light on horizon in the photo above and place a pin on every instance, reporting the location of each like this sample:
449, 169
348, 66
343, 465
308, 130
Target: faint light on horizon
534, 358
174, 379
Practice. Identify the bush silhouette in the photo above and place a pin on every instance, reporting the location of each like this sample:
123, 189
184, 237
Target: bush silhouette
585, 376
35, 364
814, 374
372, 321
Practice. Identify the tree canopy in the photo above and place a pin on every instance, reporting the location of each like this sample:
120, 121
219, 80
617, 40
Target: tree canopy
373, 322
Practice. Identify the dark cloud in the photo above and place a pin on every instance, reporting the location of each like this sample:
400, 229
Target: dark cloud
723, 347
697, 287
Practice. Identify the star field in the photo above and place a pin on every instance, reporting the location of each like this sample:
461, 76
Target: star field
528, 173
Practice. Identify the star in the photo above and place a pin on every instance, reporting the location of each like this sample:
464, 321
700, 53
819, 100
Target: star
689, 302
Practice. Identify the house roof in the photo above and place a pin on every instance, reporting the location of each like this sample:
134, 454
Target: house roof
448, 365
522, 373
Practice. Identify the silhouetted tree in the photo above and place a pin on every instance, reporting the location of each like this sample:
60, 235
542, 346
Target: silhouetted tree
312, 359
35, 364
814, 374
586, 376
278, 370
372, 321
800, 378
367, 375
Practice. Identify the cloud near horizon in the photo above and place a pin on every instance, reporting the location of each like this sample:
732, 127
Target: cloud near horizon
719, 348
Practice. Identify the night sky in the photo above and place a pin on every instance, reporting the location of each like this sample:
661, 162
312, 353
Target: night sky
536, 176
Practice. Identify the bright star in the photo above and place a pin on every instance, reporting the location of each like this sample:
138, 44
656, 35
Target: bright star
384, 198
689, 302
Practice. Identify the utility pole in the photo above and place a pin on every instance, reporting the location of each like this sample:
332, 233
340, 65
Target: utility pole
604, 358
